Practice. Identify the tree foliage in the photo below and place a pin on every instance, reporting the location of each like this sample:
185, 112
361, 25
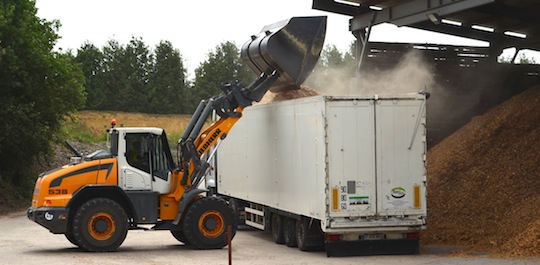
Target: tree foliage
169, 87
224, 64
133, 77
520, 58
39, 87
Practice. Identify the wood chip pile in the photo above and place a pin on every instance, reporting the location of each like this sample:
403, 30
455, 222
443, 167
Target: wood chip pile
484, 182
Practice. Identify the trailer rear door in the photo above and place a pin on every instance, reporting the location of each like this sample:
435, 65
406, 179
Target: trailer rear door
401, 149
351, 160
376, 158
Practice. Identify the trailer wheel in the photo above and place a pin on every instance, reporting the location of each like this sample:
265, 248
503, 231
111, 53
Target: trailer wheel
301, 234
206, 221
277, 228
100, 225
289, 232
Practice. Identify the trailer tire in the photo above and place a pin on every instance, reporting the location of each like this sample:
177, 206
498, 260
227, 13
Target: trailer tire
302, 234
100, 225
277, 228
206, 221
289, 232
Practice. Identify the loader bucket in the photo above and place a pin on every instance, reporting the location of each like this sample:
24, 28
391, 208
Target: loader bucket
291, 47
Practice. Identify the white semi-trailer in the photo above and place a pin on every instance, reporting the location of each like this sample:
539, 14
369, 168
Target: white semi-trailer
347, 173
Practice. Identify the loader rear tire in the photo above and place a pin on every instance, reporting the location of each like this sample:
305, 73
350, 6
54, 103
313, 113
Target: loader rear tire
100, 225
206, 221
277, 228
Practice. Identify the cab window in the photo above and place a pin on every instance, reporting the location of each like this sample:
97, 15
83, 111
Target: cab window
149, 153
137, 153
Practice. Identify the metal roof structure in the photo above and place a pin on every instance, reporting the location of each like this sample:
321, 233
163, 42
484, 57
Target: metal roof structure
502, 23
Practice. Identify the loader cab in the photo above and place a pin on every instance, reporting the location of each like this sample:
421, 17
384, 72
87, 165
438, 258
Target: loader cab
144, 159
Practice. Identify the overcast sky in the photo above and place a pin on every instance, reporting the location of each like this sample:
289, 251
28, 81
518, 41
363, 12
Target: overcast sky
197, 27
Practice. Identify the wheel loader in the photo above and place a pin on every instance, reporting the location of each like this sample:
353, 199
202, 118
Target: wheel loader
136, 183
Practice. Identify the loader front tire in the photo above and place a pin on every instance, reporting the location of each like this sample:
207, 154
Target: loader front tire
179, 235
206, 221
70, 238
100, 225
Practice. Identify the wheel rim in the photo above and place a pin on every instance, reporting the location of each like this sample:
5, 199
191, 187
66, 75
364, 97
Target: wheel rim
101, 226
211, 224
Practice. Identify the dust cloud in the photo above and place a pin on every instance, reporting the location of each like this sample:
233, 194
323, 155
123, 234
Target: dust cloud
411, 75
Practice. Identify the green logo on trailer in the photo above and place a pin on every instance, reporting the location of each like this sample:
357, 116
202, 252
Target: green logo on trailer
398, 192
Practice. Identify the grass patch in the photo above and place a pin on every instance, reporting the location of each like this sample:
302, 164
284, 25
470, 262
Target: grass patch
91, 125
76, 130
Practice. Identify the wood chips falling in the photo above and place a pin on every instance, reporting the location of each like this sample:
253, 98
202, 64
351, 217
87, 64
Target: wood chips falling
484, 182
301, 92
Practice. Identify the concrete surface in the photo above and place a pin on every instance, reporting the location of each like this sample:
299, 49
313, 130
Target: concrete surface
25, 242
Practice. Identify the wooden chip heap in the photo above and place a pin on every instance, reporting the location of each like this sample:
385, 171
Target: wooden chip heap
484, 182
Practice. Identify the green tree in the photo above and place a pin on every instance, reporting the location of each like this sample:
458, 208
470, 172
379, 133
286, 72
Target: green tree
39, 88
521, 57
136, 64
115, 77
223, 65
91, 60
168, 81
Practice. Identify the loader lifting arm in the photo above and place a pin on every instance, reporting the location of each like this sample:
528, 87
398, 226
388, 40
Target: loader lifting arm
283, 54
228, 106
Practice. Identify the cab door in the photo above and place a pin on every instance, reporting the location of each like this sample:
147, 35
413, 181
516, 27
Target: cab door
147, 163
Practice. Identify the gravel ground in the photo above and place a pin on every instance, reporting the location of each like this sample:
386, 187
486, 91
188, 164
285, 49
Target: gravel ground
25, 242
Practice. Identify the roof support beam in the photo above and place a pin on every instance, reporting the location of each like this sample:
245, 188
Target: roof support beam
415, 11
494, 38
507, 11
339, 7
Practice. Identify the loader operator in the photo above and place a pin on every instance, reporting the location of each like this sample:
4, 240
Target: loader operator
135, 157
133, 153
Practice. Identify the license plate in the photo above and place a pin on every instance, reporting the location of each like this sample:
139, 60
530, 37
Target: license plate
372, 237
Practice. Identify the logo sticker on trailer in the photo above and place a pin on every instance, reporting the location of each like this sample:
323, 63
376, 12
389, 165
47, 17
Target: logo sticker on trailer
398, 192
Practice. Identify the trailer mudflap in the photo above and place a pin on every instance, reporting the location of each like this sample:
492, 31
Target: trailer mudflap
373, 247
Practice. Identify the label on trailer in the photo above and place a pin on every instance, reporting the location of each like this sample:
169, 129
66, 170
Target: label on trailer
397, 199
355, 193
359, 200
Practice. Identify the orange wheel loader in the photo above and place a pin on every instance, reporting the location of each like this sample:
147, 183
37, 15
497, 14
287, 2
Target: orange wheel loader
136, 184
